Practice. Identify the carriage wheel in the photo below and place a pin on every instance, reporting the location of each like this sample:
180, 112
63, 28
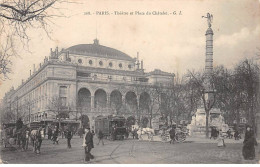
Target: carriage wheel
180, 137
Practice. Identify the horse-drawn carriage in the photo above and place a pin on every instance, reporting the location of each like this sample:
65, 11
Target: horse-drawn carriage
113, 127
12, 136
8, 134
180, 135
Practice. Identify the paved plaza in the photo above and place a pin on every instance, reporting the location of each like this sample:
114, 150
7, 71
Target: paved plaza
132, 152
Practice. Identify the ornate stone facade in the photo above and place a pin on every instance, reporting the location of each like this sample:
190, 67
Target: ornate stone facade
88, 79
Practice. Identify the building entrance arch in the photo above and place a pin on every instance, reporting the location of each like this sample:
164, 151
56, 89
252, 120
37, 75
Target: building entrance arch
100, 99
131, 102
144, 102
116, 101
84, 100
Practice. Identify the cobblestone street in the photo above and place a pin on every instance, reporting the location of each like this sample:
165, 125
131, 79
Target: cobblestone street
131, 151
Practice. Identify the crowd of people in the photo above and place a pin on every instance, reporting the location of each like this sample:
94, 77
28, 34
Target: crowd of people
53, 133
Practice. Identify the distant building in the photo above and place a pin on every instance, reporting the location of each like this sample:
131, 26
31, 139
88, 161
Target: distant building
86, 79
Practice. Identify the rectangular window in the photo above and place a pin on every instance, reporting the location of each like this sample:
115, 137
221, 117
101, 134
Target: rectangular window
63, 95
63, 91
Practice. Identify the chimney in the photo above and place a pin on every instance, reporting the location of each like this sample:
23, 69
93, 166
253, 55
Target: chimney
142, 65
51, 52
30, 72
40, 65
138, 64
45, 59
34, 69
57, 50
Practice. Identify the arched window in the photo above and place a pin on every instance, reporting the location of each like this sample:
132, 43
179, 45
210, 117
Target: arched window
101, 63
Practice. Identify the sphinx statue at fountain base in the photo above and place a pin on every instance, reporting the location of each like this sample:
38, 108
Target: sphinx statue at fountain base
198, 122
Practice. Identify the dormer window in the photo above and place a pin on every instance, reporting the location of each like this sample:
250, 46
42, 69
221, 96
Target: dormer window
129, 66
80, 61
90, 62
110, 64
120, 65
100, 63
69, 59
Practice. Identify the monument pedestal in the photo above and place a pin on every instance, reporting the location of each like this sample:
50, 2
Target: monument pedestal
198, 123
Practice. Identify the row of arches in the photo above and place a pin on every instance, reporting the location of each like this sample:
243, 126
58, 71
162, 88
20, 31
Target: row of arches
114, 100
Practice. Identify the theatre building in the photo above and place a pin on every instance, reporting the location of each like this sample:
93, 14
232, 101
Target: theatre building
91, 80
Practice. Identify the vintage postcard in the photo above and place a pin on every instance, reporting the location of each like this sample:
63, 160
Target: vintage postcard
129, 82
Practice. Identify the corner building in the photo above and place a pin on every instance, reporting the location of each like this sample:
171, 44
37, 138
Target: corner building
88, 79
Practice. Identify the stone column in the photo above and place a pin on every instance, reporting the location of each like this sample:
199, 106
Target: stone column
108, 100
108, 107
92, 103
209, 51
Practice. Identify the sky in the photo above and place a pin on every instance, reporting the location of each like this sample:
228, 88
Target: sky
172, 43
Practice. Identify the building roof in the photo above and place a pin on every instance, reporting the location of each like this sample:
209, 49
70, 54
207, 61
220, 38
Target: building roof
98, 50
160, 72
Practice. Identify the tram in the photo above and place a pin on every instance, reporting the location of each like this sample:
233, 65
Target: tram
113, 127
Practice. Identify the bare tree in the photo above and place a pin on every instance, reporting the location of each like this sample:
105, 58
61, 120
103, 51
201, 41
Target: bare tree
59, 109
18, 16
151, 103
191, 97
7, 52
247, 73
7, 114
206, 88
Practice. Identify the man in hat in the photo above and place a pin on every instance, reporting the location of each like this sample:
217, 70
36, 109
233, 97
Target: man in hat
69, 136
172, 135
88, 144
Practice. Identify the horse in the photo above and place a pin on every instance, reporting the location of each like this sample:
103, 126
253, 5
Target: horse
36, 138
150, 132
142, 131
24, 135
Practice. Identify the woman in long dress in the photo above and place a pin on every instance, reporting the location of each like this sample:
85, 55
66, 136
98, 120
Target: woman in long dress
221, 141
249, 144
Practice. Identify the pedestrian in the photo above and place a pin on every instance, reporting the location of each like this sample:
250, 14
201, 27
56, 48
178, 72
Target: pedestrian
229, 134
80, 132
236, 135
23, 137
221, 141
100, 137
49, 133
139, 132
113, 133
55, 136
88, 144
172, 135
249, 143
69, 137
213, 133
